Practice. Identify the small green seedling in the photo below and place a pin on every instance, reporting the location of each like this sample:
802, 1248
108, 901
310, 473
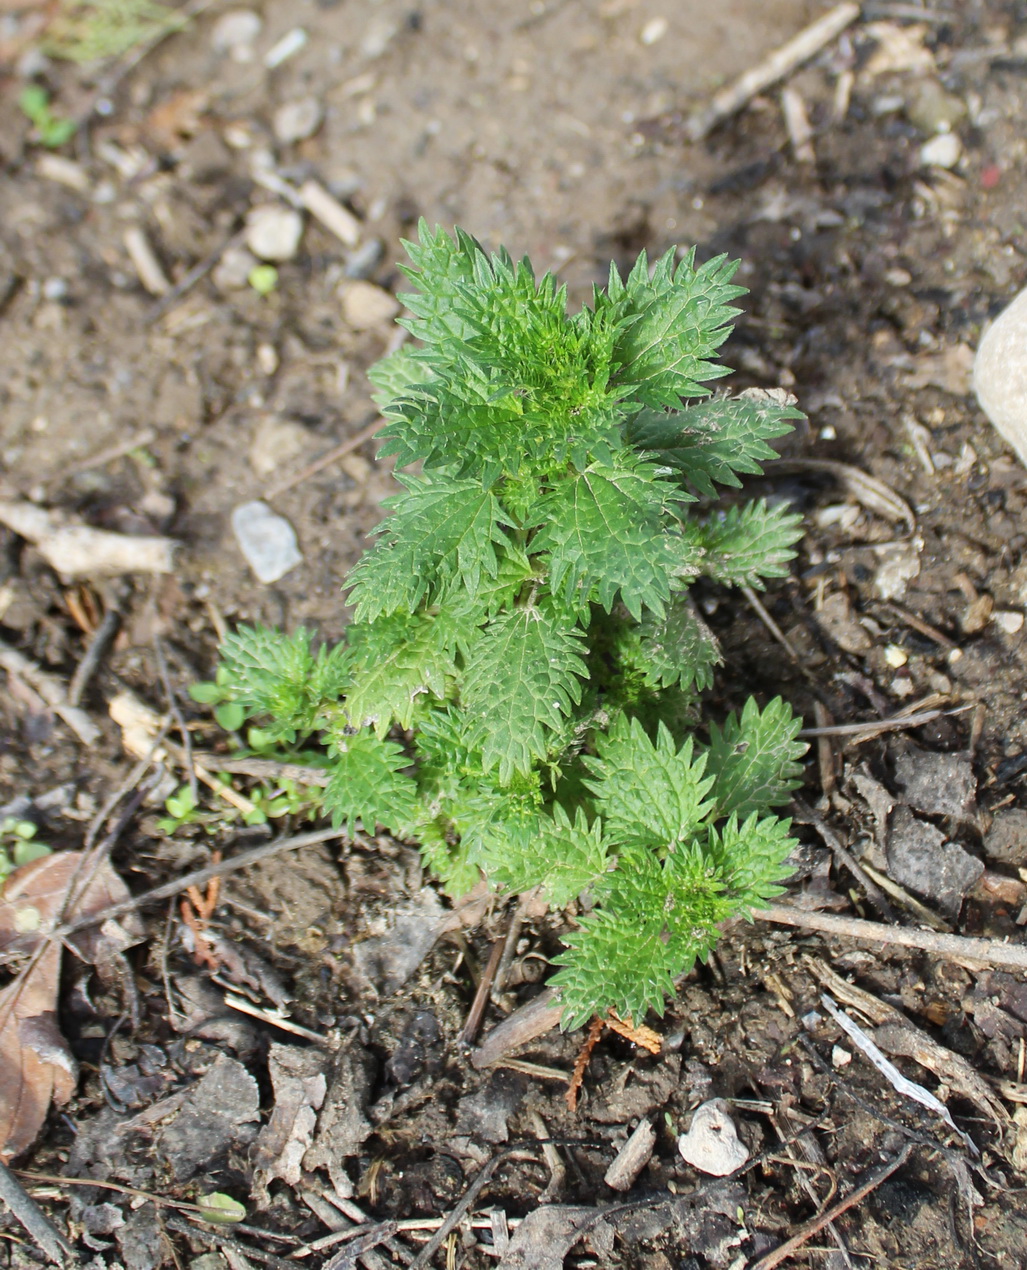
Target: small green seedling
520, 689
263, 279
52, 131
18, 845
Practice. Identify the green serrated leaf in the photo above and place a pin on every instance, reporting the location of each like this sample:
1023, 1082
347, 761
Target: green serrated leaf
440, 530
712, 441
755, 759
603, 529
368, 784
646, 792
397, 659
750, 543
522, 679
671, 323
678, 648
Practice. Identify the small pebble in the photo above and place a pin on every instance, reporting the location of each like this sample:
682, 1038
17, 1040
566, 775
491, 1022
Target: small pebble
236, 29
712, 1145
275, 442
267, 541
1008, 620
840, 1057
273, 232
365, 306
267, 358
233, 269
55, 289
932, 109
895, 656
942, 151
296, 120
655, 29
1000, 374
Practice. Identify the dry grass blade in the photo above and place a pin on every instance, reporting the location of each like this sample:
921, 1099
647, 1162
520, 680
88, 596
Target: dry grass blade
871, 493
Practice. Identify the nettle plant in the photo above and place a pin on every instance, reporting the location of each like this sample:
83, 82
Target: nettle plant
519, 689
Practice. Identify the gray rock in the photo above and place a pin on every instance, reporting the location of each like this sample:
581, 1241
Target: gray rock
922, 859
296, 120
1000, 374
1006, 840
221, 1111
388, 960
273, 232
267, 541
937, 784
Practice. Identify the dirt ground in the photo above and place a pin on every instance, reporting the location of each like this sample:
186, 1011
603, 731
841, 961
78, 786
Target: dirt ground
558, 128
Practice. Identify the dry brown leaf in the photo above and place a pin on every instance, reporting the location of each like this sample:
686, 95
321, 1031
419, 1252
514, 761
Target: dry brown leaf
36, 1066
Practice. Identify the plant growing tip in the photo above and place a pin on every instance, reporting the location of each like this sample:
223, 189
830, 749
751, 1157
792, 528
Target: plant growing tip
520, 689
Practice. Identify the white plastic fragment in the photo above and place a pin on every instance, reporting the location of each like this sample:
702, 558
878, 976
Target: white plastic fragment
1000, 374
273, 232
266, 539
712, 1145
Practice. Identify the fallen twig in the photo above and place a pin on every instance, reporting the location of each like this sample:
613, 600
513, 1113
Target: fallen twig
781, 62
474, 1015
811, 1228
326, 460
990, 952
200, 876
52, 691
893, 724
32, 1217
845, 857
102, 638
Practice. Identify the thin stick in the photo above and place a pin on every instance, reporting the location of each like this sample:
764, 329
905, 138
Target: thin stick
224, 1241
32, 1217
456, 1215
326, 460
764, 616
94, 654
841, 853
510, 943
176, 714
470, 1029
52, 691
896, 723
266, 769
198, 877
991, 952
812, 1227
190, 279
771, 70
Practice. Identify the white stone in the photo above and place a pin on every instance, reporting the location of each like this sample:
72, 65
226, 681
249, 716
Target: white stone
267, 541
235, 28
296, 120
1000, 374
1008, 620
942, 151
275, 442
273, 232
234, 268
655, 29
365, 306
712, 1145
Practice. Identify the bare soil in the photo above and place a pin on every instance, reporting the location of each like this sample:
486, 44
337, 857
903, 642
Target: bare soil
557, 129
